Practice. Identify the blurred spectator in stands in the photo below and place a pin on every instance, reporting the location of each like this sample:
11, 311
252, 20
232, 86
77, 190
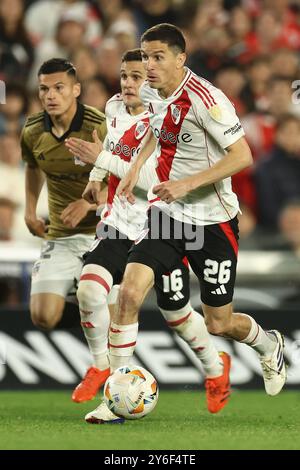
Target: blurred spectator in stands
42, 19
212, 55
34, 104
7, 214
125, 33
95, 92
285, 63
260, 127
84, 59
255, 91
112, 10
16, 50
108, 61
69, 37
13, 113
278, 176
148, 14
289, 224
244, 44
231, 80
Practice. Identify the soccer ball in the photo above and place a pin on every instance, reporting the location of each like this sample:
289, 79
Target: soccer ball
131, 392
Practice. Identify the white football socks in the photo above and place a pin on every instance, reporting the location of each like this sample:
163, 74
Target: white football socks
258, 339
190, 326
122, 341
94, 286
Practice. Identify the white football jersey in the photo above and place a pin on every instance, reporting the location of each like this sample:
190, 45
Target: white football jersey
193, 127
125, 137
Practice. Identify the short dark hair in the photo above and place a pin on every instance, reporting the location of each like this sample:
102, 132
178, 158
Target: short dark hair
57, 65
166, 33
132, 55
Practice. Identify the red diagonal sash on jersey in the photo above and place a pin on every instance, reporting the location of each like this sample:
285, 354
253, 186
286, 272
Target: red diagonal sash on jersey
131, 140
168, 149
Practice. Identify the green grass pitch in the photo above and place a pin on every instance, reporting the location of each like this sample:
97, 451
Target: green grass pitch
252, 420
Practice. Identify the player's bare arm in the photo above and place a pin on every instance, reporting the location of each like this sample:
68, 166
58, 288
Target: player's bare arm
237, 158
95, 193
73, 214
129, 181
34, 178
87, 152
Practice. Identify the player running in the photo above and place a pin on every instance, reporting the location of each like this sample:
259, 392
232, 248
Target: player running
128, 126
72, 219
200, 144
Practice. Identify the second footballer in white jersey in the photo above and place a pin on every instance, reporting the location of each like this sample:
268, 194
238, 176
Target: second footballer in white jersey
199, 146
127, 126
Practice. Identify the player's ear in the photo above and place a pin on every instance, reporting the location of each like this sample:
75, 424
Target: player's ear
181, 58
76, 90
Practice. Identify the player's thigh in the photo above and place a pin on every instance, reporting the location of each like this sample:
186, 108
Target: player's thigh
111, 255
46, 309
57, 269
173, 288
215, 264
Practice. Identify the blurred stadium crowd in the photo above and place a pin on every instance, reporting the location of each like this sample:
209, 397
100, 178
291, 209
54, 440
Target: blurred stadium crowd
248, 48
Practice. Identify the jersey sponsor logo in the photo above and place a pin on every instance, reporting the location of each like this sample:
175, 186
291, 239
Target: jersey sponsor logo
166, 136
175, 113
122, 149
141, 129
233, 130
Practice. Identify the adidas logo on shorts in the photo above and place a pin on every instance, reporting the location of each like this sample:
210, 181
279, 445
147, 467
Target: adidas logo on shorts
220, 291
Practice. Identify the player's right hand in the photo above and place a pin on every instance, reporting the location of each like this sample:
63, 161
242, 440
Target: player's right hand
92, 192
36, 226
126, 185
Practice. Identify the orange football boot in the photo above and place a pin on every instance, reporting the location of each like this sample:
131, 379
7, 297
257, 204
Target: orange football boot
218, 388
90, 384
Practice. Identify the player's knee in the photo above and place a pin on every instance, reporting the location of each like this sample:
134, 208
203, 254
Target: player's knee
44, 319
90, 295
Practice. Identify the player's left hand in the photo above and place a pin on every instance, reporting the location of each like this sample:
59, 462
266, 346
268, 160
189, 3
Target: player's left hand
73, 214
169, 191
87, 152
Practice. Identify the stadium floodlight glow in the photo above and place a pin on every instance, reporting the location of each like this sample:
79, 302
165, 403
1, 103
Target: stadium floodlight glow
2, 92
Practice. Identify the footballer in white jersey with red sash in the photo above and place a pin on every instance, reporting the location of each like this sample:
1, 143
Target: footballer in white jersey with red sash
105, 262
200, 144
125, 137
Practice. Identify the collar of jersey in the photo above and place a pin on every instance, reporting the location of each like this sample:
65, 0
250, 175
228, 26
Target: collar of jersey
75, 126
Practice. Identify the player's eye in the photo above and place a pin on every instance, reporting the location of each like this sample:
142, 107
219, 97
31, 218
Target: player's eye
144, 57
